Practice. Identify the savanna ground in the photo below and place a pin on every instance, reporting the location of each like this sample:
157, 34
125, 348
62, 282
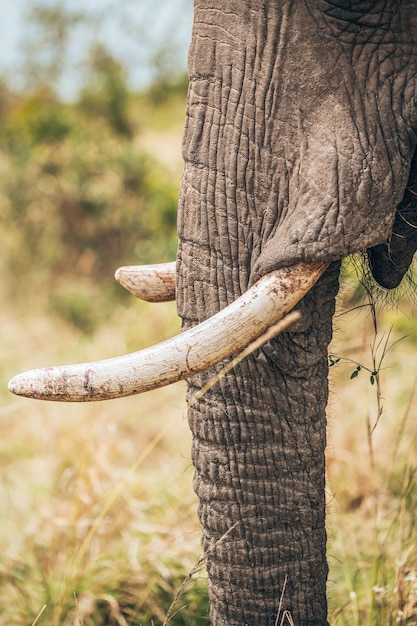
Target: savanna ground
98, 517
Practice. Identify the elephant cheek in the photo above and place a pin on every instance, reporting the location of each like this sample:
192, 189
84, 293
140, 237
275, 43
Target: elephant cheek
338, 194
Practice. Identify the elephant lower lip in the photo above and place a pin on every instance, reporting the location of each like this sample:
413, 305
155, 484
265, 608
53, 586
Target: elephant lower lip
195, 350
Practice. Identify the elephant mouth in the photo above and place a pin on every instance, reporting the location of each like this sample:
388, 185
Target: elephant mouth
197, 349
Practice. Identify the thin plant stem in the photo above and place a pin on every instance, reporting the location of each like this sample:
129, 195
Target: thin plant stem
272, 332
37, 618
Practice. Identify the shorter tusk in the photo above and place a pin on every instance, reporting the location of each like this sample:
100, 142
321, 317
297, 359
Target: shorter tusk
193, 351
153, 283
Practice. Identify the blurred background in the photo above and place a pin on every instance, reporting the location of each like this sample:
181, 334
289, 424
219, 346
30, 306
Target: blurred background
98, 520
92, 102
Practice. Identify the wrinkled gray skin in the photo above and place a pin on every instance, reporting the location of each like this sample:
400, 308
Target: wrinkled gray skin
298, 145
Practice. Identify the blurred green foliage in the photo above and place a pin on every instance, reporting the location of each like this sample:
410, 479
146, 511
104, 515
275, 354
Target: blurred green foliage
79, 194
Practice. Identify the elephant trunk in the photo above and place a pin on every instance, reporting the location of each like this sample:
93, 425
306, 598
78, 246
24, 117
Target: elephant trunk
259, 438
257, 195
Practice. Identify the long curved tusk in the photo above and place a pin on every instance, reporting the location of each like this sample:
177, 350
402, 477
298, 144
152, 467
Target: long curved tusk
153, 283
195, 350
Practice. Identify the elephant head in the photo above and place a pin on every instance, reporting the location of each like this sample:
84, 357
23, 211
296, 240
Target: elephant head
299, 150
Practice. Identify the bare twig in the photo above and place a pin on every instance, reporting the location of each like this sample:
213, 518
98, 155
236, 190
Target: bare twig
37, 618
272, 332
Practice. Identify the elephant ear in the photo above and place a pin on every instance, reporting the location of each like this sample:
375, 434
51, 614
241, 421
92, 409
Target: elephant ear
390, 261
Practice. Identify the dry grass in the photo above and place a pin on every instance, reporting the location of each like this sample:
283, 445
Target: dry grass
98, 515
98, 510
372, 461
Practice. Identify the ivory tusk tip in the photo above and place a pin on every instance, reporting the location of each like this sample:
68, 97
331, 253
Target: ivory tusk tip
118, 274
25, 384
122, 276
153, 283
49, 383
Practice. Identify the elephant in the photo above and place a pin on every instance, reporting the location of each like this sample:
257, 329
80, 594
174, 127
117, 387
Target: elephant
299, 150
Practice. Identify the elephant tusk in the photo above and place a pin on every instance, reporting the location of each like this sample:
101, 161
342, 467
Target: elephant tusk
193, 351
153, 283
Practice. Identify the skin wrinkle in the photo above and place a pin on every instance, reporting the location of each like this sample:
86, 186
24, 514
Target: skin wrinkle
244, 172
218, 151
377, 65
238, 138
214, 175
235, 398
243, 191
371, 25
214, 34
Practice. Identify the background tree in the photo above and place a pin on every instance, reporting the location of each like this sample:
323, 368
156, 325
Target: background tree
82, 189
